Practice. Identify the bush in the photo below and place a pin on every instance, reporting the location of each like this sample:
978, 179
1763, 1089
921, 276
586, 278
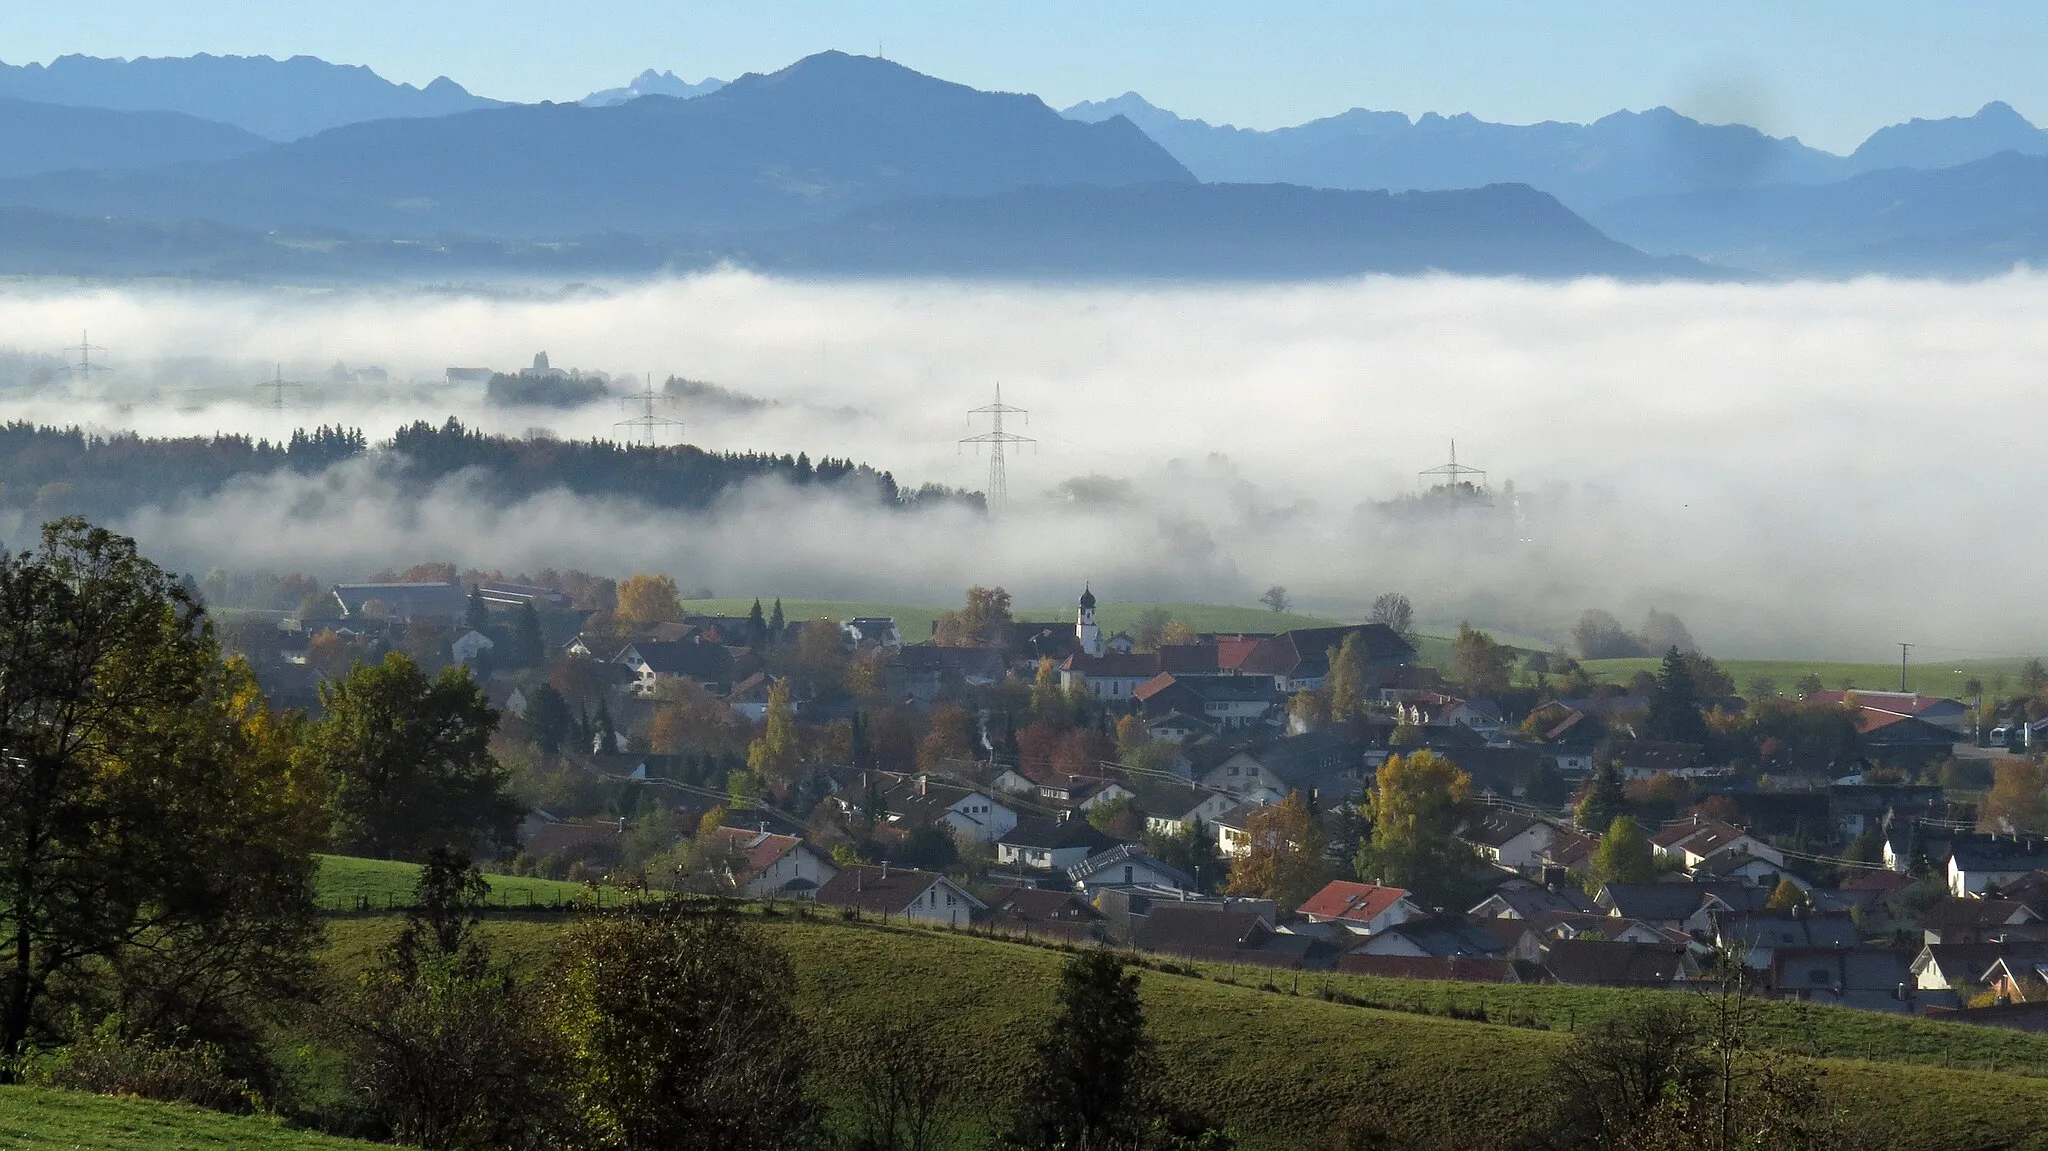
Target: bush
105, 1062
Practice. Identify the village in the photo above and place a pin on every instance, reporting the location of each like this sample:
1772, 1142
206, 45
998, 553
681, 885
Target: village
1306, 799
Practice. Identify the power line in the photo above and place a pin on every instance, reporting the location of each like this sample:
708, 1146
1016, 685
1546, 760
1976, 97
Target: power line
997, 440
648, 424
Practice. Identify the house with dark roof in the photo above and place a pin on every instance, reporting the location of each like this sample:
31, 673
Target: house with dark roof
1035, 912
1508, 838
1692, 841
1498, 771
1129, 865
926, 672
1601, 963
967, 813
435, 600
1639, 759
764, 865
1441, 935
1686, 906
1945, 713
1866, 979
1319, 763
900, 892
1051, 845
1361, 908
1760, 934
1221, 935
1959, 920
1963, 966
654, 662
1902, 740
1979, 862
499, 594
1170, 808
1111, 676
1229, 702
1521, 899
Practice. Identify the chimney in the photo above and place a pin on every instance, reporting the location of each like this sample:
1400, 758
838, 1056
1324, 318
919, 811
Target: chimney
622, 825
924, 783
885, 869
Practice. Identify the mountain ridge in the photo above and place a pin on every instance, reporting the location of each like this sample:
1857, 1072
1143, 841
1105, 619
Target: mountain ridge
38, 138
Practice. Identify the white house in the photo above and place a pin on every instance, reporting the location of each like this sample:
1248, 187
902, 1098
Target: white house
902, 893
1360, 908
765, 865
469, 645
1127, 865
967, 813
1050, 845
1691, 842
1509, 839
1980, 862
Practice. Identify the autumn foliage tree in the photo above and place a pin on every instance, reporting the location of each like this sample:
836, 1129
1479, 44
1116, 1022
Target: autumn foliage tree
984, 621
2018, 801
773, 754
1416, 804
1283, 860
645, 599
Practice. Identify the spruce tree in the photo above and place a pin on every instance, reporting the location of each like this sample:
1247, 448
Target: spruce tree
1093, 1081
757, 625
1675, 704
476, 616
529, 649
775, 621
604, 736
1605, 802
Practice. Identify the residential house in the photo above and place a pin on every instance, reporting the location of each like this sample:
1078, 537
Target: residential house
1639, 759
1233, 828
1171, 808
469, 646
1692, 841
1224, 702
1962, 966
1110, 676
1760, 934
919, 801
926, 672
1521, 899
902, 892
1503, 772
764, 865
1903, 741
1361, 908
1601, 963
653, 662
1866, 979
1959, 920
1300, 659
1685, 906
1125, 907
1178, 727
2017, 980
1979, 862
749, 697
1434, 935
1128, 865
1035, 912
1858, 806
499, 594
1040, 844
1508, 838
1221, 936
1320, 763
873, 631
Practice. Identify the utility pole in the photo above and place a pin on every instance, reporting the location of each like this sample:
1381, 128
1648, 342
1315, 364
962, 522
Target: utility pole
648, 424
1903, 649
997, 439
277, 387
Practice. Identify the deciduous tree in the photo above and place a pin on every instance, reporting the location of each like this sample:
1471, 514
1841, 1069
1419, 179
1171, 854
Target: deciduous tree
1417, 800
1393, 609
773, 754
1283, 859
411, 761
1346, 683
1483, 665
1275, 599
983, 622
1624, 854
2018, 801
646, 598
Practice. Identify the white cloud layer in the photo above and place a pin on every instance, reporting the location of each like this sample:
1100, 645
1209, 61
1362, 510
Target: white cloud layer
1796, 469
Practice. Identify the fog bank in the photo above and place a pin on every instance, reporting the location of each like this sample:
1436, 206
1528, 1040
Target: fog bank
1796, 469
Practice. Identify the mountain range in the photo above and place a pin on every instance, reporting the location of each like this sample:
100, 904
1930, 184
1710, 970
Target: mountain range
275, 99
842, 163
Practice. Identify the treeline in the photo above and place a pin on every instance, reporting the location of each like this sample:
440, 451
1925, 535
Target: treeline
51, 472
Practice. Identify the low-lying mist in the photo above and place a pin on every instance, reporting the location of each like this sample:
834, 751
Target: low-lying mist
1798, 469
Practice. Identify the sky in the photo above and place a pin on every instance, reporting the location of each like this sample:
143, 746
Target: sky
1828, 71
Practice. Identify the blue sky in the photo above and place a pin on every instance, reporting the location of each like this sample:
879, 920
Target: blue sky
1828, 71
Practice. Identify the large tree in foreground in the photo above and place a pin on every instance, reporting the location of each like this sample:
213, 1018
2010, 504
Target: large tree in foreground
1094, 1081
410, 761
155, 837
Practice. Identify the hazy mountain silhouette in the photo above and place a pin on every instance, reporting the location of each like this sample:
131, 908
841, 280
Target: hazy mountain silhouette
1617, 157
1946, 143
652, 83
38, 137
1213, 230
1972, 219
826, 135
277, 99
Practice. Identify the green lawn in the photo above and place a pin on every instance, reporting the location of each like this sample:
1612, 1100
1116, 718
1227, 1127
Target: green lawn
1932, 678
346, 882
1280, 1066
32, 1117
915, 622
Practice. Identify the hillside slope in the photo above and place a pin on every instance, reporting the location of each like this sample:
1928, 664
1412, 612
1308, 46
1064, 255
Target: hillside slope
36, 1119
37, 138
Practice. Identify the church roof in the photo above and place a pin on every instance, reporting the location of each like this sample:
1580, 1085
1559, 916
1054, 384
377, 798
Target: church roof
1087, 597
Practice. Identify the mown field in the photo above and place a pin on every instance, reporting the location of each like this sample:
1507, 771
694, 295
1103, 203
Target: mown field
346, 883
915, 621
1945, 678
44, 1120
1283, 1066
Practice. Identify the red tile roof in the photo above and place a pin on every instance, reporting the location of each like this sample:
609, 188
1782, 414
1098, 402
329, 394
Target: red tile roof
1343, 900
761, 848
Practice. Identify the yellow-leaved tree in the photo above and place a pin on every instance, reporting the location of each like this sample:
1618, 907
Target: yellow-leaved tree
646, 598
1284, 860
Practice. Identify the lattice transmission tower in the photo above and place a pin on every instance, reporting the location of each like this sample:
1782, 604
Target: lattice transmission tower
277, 388
998, 441
84, 368
649, 424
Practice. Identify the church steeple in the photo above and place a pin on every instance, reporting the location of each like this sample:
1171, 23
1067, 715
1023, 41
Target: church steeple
1089, 635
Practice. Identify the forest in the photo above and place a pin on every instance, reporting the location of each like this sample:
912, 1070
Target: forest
49, 472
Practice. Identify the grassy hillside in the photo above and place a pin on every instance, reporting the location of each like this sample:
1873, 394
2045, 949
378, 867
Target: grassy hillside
1282, 1067
345, 883
1931, 678
915, 621
36, 1118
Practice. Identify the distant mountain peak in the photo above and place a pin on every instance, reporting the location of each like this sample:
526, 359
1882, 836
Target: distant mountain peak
652, 83
1952, 140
